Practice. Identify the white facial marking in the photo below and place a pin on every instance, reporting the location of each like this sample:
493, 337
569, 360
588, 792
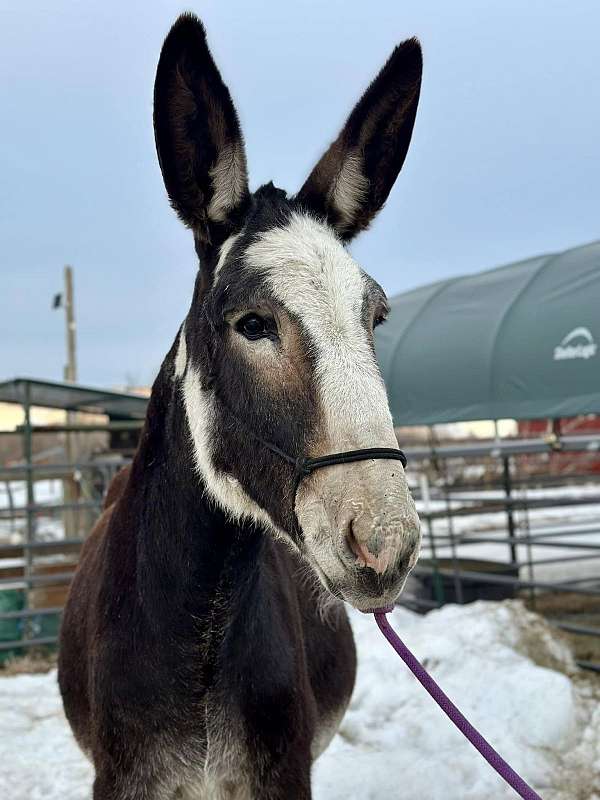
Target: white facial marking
350, 187
223, 253
224, 489
181, 355
315, 278
229, 179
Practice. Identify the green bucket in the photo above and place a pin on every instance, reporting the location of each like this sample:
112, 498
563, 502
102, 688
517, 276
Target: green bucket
44, 626
10, 629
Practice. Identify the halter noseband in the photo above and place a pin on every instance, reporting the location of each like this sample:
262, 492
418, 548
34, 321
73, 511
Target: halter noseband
304, 466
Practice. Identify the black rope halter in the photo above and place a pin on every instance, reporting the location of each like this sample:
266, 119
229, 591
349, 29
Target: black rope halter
305, 466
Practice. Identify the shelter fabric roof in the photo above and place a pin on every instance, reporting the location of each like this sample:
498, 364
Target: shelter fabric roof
73, 397
521, 341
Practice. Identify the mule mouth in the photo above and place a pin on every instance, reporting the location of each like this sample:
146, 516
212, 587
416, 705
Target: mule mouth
362, 589
369, 604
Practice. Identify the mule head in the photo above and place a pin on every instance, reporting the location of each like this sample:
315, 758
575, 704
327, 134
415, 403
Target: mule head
278, 343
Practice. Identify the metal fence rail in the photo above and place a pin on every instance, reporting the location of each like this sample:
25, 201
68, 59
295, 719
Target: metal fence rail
511, 535
38, 549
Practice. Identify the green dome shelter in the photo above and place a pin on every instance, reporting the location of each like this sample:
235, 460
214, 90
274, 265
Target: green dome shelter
521, 341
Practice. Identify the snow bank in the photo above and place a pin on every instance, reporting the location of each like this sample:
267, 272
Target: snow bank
506, 670
508, 673
40, 760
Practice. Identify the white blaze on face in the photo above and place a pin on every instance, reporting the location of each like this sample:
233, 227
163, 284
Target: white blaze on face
312, 275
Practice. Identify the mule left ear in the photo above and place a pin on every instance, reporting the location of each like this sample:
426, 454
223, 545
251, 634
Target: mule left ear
198, 136
353, 179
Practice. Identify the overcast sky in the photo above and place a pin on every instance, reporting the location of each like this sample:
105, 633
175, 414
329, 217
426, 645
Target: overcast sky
503, 163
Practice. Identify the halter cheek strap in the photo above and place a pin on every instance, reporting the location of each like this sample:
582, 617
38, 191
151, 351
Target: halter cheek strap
305, 466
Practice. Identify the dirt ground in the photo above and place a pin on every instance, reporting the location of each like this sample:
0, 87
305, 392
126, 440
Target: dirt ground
572, 609
35, 663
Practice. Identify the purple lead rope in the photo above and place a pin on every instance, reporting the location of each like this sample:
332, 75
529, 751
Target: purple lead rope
493, 758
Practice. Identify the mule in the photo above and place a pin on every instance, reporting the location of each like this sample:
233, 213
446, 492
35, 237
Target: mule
205, 649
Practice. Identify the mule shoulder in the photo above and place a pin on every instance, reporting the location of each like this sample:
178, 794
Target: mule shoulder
75, 640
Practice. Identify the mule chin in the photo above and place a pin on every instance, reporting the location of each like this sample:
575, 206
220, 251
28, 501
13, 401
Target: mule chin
363, 589
369, 604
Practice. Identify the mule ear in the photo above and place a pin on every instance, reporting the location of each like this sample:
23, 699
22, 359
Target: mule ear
198, 136
352, 180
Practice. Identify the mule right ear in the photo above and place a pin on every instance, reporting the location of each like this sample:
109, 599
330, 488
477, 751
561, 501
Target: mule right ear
353, 179
198, 136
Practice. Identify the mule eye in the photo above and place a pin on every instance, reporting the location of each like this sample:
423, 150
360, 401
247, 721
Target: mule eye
379, 320
252, 327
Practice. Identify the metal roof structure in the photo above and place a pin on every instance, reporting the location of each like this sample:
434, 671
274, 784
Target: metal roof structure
520, 341
73, 397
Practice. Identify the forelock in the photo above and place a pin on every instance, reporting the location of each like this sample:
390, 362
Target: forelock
270, 208
308, 269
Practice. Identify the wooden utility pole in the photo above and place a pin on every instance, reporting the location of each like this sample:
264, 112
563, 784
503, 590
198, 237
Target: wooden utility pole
71, 492
71, 365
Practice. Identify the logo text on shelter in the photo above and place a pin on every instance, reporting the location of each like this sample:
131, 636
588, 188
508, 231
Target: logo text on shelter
579, 343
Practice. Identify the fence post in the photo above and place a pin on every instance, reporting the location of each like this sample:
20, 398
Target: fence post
30, 534
509, 510
71, 517
438, 586
456, 577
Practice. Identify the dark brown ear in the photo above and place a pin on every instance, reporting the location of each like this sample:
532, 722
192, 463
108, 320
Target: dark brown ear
352, 180
198, 136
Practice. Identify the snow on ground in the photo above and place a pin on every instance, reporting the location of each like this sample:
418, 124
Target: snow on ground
511, 676
505, 668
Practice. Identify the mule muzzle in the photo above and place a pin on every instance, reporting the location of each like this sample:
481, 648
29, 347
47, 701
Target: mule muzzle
365, 558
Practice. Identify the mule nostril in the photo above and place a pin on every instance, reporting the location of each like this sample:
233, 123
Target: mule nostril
378, 561
357, 549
